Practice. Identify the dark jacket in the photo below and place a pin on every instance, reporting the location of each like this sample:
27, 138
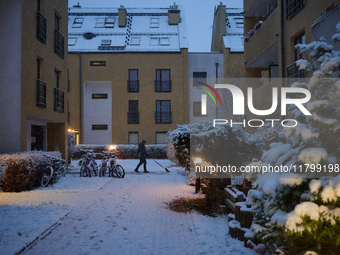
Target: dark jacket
142, 154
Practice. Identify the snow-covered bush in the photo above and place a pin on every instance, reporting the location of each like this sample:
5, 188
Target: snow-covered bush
223, 145
156, 151
22, 171
71, 144
303, 211
125, 151
179, 145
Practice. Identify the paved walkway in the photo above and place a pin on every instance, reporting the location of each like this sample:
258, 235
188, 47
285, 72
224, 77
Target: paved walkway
130, 216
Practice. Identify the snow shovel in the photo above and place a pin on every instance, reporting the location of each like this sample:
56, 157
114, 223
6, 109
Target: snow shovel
166, 169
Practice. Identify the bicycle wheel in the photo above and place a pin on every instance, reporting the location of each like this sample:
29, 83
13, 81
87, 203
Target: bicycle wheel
82, 169
62, 170
88, 171
120, 171
46, 177
95, 168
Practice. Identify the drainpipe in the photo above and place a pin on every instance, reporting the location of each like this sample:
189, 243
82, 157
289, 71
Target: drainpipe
80, 98
283, 70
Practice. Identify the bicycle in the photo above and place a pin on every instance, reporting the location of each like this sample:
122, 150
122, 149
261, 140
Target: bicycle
111, 166
88, 166
55, 167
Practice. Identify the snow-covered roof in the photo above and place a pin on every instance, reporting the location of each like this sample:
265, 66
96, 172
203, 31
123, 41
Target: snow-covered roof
234, 30
146, 30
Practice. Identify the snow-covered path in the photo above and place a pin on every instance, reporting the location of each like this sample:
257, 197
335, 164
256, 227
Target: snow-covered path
128, 216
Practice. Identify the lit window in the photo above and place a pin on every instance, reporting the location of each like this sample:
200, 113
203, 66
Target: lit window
78, 22
164, 41
100, 22
106, 42
154, 22
72, 41
97, 63
135, 41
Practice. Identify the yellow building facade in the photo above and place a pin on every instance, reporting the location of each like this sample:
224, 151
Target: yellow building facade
34, 76
128, 74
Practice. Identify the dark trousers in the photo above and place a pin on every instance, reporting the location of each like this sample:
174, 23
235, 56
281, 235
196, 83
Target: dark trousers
141, 161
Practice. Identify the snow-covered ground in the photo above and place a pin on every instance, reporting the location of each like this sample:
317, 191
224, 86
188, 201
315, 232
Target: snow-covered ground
112, 216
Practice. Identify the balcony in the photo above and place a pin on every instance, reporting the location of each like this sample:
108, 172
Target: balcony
294, 72
41, 28
163, 117
133, 117
293, 7
41, 94
162, 86
258, 8
133, 86
58, 44
58, 100
261, 49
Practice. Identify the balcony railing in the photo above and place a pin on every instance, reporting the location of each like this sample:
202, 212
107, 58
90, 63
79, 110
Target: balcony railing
41, 94
133, 85
41, 28
162, 86
58, 44
133, 117
58, 100
293, 7
162, 117
294, 72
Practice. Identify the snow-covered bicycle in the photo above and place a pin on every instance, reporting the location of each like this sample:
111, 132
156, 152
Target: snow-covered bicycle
89, 166
111, 167
56, 167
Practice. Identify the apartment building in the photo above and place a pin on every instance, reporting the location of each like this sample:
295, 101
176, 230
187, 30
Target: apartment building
33, 75
272, 28
128, 73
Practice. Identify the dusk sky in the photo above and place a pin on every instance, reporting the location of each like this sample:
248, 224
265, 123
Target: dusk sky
198, 13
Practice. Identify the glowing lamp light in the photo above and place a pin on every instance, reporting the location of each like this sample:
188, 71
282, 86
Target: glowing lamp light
198, 161
112, 147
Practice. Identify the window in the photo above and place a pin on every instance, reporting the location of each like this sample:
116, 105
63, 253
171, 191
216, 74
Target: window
41, 26
38, 68
133, 137
78, 22
163, 81
133, 82
154, 22
239, 22
109, 22
99, 127
164, 41
199, 77
97, 63
300, 39
293, 7
273, 72
154, 41
99, 96
197, 108
41, 87
161, 137
72, 41
106, 42
56, 22
163, 112
100, 22
56, 79
58, 38
58, 93
135, 41
133, 113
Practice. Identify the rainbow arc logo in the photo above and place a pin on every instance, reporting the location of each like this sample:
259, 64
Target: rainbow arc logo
204, 97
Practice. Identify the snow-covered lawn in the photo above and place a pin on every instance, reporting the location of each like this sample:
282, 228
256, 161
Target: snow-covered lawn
112, 216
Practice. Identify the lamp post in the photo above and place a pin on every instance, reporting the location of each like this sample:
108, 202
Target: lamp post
198, 162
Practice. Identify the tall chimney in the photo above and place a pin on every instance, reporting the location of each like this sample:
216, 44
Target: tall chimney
121, 16
174, 15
